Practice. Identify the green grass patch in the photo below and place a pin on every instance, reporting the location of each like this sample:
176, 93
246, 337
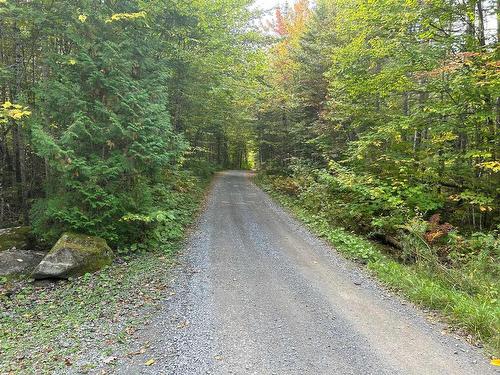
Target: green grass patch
477, 315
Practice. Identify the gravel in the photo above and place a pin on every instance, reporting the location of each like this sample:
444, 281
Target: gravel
256, 293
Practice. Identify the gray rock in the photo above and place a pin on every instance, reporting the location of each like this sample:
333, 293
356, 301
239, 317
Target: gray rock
74, 255
13, 262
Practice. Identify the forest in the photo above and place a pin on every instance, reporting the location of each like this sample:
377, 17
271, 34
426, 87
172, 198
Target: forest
378, 120
394, 104
106, 105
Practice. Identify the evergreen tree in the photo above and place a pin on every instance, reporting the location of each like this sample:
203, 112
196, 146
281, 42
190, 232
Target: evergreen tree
103, 123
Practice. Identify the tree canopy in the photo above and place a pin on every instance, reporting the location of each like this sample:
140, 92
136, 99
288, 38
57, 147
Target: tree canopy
396, 100
102, 100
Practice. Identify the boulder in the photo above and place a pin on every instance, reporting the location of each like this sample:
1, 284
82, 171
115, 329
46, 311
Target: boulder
74, 255
13, 262
16, 237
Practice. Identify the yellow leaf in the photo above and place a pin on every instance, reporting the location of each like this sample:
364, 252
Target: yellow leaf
150, 362
18, 114
495, 362
485, 208
444, 137
126, 16
71, 61
82, 18
491, 165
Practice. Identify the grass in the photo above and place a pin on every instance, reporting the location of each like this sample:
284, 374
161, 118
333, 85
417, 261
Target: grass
478, 317
44, 328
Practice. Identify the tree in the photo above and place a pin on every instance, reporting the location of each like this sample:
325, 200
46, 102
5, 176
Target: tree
402, 93
120, 96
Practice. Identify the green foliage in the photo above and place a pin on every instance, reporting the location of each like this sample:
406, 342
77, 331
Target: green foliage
138, 281
108, 98
201, 167
378, 119
157, 229
399, 111
467, 292
101, 121
361, 204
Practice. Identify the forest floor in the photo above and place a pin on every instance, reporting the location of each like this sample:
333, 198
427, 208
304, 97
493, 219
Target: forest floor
255, 292
45, 327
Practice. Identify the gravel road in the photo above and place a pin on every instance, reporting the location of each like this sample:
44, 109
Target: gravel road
256, 293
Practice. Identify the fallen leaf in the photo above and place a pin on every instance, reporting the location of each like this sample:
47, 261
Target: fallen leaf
150, 362
495, 362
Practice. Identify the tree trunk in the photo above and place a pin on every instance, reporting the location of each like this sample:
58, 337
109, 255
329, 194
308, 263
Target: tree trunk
480, 30
19, 149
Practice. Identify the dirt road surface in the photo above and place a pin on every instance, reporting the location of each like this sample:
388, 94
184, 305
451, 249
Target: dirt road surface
256, 293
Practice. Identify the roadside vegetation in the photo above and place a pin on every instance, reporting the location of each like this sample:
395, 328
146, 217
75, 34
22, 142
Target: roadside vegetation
381, 122
113, 118
47, 326
466, 294
102, 103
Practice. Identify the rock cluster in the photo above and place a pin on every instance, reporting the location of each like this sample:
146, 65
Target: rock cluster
74, 255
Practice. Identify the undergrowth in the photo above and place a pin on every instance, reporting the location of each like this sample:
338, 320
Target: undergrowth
45, 327
467, 301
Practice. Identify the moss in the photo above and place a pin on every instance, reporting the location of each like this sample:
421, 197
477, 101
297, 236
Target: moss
89, 254
14, 237
81, 243
100, 253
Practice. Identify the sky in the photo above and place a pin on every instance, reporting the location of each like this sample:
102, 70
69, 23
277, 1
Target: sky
268, 4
